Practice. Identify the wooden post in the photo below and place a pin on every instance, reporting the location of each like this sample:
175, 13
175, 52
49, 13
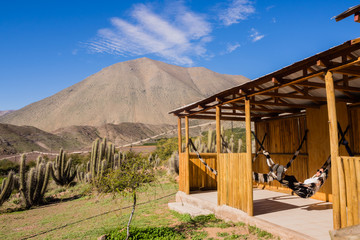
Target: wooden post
248, 181
179, 136
187, 158
218, 149
334, 149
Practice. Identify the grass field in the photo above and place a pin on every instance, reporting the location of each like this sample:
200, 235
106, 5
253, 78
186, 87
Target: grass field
79, 213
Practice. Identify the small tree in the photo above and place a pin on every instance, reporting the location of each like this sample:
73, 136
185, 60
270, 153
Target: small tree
132, 174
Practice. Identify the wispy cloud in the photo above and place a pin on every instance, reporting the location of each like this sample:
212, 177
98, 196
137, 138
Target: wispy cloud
236, 11
232, 47
177, 39
255, 35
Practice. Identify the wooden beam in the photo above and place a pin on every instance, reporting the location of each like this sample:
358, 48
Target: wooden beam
298, 106
351, 72
179, 136
334, 149
355, 41
187, 158
260, 109
289, 95
248, 164
218, 150
337, 87
357, 17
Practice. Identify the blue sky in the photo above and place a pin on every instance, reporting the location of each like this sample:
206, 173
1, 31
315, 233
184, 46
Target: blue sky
46, 46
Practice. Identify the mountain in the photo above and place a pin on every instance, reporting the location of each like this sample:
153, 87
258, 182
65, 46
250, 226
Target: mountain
18, 139
136, 91
2, 113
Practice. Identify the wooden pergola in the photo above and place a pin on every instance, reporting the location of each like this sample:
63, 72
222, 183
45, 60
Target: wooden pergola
321, 89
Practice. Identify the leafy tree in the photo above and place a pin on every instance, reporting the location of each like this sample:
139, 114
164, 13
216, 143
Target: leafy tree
133, 173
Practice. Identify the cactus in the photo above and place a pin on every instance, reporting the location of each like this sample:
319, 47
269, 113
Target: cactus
102, 158
239, 145
62, 171
7, 187
33, 186
174, 162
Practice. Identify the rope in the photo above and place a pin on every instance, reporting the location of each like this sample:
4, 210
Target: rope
259, 150
200, 158
225, 144
297, 150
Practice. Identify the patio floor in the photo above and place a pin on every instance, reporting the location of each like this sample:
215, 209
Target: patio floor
284, 215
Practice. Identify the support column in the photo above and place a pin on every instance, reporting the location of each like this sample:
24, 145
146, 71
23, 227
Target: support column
187, 157
179, 136
218, 150
334, 149
248, 164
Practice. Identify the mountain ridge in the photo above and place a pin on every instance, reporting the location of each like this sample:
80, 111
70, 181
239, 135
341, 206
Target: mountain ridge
136, 91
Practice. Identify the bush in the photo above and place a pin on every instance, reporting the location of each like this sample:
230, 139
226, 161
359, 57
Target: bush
165, 147
160, 233
7, 165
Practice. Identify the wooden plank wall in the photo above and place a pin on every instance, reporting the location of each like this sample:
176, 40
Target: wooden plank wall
319, 142
233, 188
354, 115
282, 140
351, 179
200, 177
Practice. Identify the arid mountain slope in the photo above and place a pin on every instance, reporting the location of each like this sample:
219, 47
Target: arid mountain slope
2, 113
18, 139
137, 91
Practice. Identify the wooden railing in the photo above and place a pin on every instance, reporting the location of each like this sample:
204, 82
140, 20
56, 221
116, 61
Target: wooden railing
193, 175
349, 189
234, 189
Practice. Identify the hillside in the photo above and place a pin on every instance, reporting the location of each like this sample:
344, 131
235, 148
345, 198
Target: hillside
2, 113
137, 91
18, 139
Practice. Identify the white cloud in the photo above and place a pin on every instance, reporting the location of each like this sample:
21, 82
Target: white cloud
177, 39
232, 47
238, 10
255, 35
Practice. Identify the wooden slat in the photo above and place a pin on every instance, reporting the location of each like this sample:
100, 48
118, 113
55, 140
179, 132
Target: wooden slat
348, 183
353, 191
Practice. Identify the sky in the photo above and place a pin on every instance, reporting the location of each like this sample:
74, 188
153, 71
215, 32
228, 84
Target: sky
47, 46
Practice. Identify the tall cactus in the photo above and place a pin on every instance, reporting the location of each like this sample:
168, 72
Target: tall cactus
33, 186
174, 162
62, 171
7, 187
102, 158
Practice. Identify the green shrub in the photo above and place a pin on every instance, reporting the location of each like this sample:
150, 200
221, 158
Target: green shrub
165, 233
7, 166
165, 147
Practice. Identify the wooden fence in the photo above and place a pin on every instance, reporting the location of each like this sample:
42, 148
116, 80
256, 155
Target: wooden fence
234, 189
349, 186
193, 175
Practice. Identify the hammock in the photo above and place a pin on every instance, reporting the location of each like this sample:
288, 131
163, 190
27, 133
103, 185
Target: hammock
276, 170
310, 186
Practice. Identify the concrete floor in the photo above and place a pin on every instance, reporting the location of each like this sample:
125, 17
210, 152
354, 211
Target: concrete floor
277, 213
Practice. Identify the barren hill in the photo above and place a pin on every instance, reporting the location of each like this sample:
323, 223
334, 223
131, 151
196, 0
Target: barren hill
136, 91
18, 139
